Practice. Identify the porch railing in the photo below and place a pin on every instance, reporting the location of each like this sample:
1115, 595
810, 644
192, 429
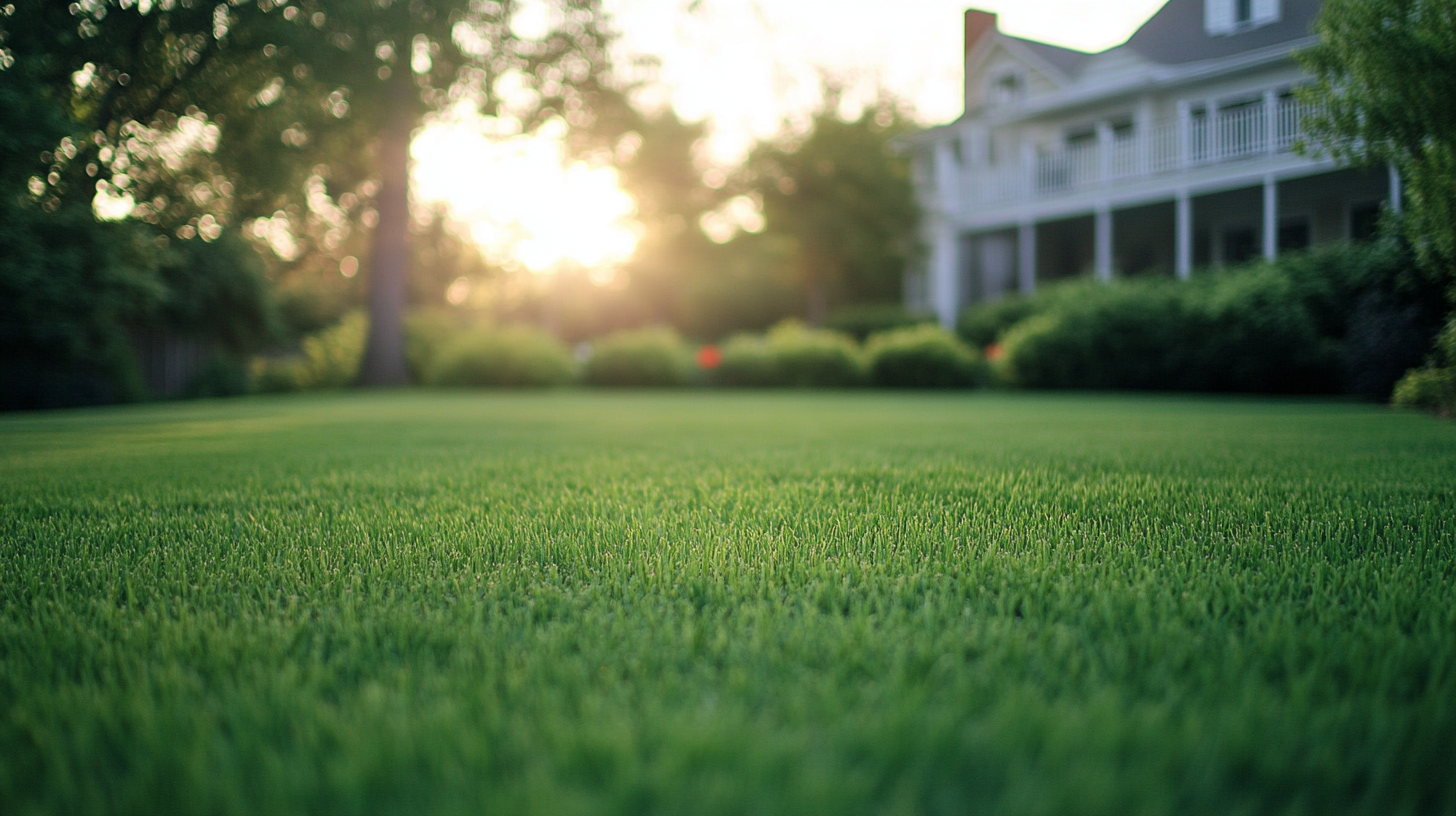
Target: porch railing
1217, 137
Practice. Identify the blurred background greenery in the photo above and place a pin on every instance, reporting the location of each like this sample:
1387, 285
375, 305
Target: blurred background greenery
203, 200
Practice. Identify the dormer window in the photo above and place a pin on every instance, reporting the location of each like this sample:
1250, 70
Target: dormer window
1225, 17
1007, 89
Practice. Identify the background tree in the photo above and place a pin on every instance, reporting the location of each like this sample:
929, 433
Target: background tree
843, 199
209, 115
1385, 91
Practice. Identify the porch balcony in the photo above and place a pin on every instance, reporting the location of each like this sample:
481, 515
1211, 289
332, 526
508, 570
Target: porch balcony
1194, 142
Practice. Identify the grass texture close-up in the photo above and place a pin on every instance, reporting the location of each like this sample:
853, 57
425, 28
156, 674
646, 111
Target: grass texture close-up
712, 603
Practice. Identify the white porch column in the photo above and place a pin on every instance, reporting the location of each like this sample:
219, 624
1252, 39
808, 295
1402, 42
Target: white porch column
1104, 151
948, 177
1185, 133
1184, 218
1028, 171
1397, 192
1211, 120
944, 263
944, 282
1143, 134
1102, 242
1271, 121
1271, 218
1026, 257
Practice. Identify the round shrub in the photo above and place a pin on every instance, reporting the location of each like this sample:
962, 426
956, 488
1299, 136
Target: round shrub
1252, 332
637, 358
1120, 335
815, 358
924, 357
425, 333
329, 359
513, 356
984, 323
747, 361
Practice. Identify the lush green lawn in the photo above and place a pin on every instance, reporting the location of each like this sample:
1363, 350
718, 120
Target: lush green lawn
728, 603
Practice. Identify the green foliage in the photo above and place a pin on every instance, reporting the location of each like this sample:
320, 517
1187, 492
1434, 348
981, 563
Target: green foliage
72, 291
1252, 332
297, 90
845, 200
1242, 331
815, 358
792, 355
69, 290
510, 356
748, 361
1100, 336
639, 357
924, 357
746, 285
728, 603
426, 332
983, 324
1433, 386
1385, 81
223, 375
217, 290
329, 359
1344, 317
1431, 389
209, 115
864, 320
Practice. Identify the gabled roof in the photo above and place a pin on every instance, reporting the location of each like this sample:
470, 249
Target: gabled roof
1066, 60
1175, 35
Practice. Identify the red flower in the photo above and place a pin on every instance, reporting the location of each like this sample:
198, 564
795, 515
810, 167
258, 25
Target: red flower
994, 352
709, 357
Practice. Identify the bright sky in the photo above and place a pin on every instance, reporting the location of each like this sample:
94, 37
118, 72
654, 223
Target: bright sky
747, 66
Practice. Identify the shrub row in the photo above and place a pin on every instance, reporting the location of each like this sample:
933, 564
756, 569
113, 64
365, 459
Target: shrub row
1339, 318
790, 355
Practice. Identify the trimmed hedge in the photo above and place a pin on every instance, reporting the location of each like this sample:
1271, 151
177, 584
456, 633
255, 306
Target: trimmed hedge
1343, 317
815, 358
748, 362
513, 356
924, 357
641, 357
1243, 332
792, 355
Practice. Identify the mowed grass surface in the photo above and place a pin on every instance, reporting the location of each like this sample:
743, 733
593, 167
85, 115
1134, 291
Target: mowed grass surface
728, 603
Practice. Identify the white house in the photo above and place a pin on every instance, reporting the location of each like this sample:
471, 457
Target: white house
1169, 152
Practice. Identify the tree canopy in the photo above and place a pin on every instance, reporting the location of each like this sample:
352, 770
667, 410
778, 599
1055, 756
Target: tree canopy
205, 115
1385, 91
844, 200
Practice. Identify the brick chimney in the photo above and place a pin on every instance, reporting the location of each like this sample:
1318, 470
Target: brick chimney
978, 24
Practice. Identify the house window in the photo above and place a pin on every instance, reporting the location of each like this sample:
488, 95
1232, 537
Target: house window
1240, 245
1007, 88
1293, 234
1365, 221
1225, 17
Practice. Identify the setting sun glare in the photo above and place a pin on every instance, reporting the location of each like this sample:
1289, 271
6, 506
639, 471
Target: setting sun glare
518, 197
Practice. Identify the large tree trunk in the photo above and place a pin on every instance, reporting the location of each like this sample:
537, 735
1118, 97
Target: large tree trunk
383, 363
